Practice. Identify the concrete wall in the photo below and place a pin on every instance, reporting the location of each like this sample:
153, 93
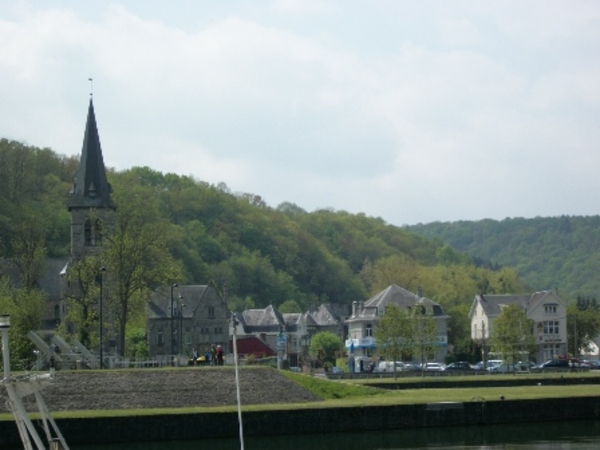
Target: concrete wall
304, 421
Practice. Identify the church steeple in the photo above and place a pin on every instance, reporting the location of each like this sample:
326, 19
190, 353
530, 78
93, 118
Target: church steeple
91, 206
91, 188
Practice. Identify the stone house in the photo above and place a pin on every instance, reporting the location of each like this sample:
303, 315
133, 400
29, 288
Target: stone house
361, 340
548, 312
181, 318
290, 332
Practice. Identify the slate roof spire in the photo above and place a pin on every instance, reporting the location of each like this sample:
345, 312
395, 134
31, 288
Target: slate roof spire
91, 188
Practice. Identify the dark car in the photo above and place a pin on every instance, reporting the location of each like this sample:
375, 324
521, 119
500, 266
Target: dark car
459, 365
553, 364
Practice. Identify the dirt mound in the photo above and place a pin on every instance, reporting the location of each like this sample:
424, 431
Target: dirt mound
169, 388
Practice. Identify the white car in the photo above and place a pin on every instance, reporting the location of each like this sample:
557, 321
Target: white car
434, 367
388, 366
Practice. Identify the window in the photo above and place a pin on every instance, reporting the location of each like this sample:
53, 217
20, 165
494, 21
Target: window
159, 339
550, 308
211, 311
369, 330
56, 312
87, 232
551, 327
551, 351
188, 337
98, 232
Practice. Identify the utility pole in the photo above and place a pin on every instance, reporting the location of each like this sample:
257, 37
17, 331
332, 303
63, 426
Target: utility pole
173, 286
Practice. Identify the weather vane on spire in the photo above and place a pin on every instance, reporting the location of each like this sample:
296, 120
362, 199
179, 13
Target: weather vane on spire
91, 80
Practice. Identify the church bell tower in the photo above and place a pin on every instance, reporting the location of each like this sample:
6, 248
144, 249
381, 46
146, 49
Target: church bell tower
90, 205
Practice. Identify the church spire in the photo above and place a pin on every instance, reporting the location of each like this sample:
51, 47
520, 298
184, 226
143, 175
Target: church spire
91, 188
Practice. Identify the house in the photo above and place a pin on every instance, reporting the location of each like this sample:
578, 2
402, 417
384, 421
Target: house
181, 318
361, 340
266, 326
548, 312
290, 333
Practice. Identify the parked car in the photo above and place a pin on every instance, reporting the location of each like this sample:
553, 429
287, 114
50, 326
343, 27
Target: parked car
493, 363
434, 367
553, 364
412, 367
459, 365
388, 366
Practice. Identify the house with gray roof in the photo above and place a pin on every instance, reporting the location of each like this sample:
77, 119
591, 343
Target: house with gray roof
292, 330
548, 312
181, 318
361, 340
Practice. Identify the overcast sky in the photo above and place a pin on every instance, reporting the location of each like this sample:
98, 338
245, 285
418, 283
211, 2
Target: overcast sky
412, 111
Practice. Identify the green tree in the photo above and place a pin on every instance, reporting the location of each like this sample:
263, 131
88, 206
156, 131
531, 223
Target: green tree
135, 253
26, 310
324, 346
512, 333
395, 334
583, 325
424, 329
83, 297
289, 306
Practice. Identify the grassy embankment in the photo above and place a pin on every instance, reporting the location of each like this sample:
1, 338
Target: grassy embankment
340, 394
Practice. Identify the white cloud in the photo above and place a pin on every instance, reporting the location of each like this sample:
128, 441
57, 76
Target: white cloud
412, 112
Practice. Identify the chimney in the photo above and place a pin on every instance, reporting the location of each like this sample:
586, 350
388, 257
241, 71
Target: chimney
419, 292
354, 305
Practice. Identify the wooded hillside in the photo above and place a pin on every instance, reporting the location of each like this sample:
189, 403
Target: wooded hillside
547, 252
254, 254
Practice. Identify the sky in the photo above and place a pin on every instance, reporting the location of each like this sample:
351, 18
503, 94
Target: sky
412, 111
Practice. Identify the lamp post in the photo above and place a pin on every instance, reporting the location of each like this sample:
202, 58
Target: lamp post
102, 269
4, 327
180, 310
173, 286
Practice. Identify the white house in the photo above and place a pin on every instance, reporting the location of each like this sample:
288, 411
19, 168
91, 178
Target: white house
362, 324
547, 311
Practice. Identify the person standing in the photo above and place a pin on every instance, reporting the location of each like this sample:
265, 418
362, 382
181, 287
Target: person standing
219, 355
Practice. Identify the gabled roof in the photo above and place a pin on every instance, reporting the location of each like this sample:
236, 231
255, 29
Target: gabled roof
398, 296
261, 320
91, 188
323, 316
159, 305
492, 304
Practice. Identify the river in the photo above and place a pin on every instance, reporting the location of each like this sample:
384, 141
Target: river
564, 436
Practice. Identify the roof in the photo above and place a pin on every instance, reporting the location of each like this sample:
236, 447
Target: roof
492, 304
91, 188
261, 320
324, 316
253, 346
159, 305
398, 296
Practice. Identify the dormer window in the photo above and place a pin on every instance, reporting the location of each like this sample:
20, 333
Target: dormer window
550, 308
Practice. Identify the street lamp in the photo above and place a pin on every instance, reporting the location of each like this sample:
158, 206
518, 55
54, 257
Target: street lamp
4, 327
173, 286
102, 269
180, 310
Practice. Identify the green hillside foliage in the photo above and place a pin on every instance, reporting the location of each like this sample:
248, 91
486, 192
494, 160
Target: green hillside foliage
548, 253
254, 254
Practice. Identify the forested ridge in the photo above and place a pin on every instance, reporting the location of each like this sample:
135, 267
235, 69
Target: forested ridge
548, 252
174, 228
